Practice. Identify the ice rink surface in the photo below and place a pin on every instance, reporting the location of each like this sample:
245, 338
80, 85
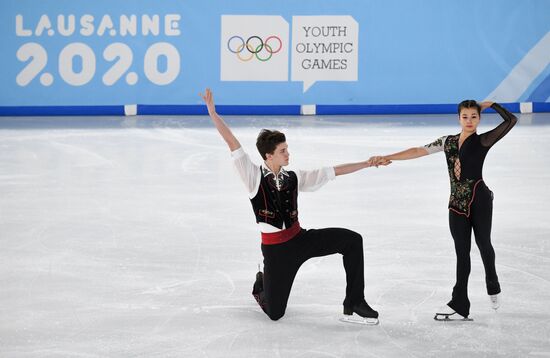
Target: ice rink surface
133, 237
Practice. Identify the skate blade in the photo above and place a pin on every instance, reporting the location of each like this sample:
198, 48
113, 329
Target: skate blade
447, 317
360, 320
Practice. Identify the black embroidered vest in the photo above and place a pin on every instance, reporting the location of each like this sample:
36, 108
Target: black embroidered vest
276, 201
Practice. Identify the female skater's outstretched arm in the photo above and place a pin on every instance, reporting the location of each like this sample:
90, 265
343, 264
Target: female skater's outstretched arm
411, 153
222, 128
487, 139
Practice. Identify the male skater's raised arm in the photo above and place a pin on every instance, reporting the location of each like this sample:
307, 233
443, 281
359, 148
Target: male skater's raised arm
224, 130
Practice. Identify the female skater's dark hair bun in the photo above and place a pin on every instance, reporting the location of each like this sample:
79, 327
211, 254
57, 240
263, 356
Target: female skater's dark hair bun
469, 103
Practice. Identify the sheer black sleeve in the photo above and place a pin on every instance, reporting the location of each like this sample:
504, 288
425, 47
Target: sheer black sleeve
488, 139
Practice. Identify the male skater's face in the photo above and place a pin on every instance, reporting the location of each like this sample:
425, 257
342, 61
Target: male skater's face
280, 155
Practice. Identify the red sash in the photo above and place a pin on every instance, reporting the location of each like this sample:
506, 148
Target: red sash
273, 238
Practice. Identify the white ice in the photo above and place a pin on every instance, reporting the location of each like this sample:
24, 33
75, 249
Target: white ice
133, 237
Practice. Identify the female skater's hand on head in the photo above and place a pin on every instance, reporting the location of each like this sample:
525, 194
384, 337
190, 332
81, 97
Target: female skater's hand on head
208, 99
485, 104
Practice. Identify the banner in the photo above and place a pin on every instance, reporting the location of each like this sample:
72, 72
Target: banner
349, 52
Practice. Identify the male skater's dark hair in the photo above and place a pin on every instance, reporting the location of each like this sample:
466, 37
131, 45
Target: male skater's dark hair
469, 103
268, 140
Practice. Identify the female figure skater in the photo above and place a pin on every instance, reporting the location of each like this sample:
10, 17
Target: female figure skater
471, 201
273, 193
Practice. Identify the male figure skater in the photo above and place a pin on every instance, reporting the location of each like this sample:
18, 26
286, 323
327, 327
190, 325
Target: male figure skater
273, 192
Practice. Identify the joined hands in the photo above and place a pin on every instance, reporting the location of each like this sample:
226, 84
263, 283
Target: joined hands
378, 160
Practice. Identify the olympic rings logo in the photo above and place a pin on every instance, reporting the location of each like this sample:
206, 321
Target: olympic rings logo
254, 46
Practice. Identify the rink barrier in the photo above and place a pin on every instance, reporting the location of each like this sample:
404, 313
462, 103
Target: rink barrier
62, 111
541, 107
386, 109
280, 110
408, 109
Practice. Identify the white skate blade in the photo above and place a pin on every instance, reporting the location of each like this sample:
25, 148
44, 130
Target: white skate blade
451, 317
495, 301
359, 320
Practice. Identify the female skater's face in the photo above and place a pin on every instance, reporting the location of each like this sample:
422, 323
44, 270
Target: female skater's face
469, 119
280, 155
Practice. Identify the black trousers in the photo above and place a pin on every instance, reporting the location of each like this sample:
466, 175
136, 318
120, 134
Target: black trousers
282, 261
481, 215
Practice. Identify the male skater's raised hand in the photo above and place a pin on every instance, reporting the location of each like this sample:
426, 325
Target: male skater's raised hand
222, 128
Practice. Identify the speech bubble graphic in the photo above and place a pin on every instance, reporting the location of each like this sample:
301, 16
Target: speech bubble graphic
254, 48
324, 48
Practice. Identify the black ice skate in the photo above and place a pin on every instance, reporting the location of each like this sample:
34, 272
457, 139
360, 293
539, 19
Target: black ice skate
449, 315
259, 284
360, 313
258, 287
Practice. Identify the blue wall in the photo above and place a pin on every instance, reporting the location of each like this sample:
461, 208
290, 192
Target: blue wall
397, 53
